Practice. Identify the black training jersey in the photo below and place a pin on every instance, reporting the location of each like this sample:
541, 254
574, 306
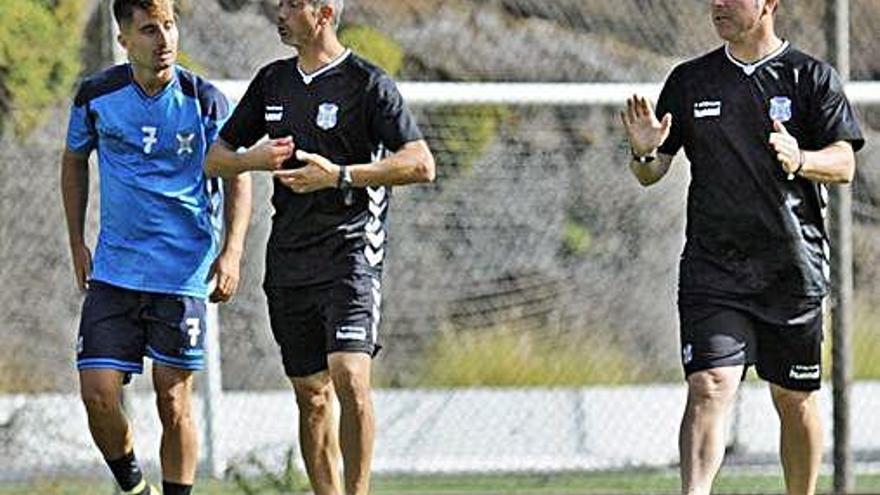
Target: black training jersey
749, 228
350, 112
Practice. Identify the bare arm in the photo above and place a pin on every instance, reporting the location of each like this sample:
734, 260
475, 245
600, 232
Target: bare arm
833, 164
75, 196
227, 267
649, 173
223, 161
412, 163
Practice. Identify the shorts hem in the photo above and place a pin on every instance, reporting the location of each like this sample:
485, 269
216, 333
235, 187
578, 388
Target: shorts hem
811, 386
688, 371
305, 371
109, 364
172, 362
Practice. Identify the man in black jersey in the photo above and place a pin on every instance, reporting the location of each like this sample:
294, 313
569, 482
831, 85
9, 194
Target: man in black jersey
764, 127
339, 135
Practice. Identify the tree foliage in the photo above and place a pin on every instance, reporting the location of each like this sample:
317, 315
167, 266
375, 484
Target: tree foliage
374, 46
40, 44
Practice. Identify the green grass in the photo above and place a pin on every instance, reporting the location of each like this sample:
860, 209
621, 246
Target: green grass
622, 483
866, 341
502, 357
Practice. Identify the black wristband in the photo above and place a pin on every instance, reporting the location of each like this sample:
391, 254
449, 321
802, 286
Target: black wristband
643, 159
343, 181
801, 159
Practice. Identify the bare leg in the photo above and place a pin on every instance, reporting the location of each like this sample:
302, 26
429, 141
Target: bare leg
800, 444
351, 378
101, 392
702, 436
319, 442
179, 451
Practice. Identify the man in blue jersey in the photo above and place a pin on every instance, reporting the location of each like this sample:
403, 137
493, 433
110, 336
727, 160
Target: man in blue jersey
151, 123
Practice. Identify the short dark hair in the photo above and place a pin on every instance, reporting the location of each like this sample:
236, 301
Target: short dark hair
338, 5
123, 10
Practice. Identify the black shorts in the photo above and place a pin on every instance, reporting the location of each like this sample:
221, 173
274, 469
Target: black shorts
310, 322
120, 326
783, 341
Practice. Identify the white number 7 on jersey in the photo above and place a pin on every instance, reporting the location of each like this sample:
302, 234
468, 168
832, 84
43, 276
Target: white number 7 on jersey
193, 330
149, 138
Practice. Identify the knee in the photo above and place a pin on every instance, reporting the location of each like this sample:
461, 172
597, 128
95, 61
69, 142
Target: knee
173, 405
352, 386
100, 401
314, 399
714, 386
792, 403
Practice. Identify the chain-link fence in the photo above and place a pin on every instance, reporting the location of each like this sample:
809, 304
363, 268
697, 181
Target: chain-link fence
529, 299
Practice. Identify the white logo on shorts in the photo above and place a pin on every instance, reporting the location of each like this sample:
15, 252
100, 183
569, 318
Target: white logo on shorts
79, 345
805, 372
687, 353
351, 333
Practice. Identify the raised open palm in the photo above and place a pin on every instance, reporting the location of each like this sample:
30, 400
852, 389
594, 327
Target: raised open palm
644, 131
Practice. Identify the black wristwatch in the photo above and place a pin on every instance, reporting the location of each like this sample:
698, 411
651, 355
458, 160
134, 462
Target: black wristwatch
343, 183
643, 159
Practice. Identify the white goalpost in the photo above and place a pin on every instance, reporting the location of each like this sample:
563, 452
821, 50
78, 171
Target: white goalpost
550, 94
441, 94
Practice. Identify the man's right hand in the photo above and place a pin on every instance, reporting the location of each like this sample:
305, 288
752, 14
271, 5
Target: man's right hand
272, 153
82, 265
644, 131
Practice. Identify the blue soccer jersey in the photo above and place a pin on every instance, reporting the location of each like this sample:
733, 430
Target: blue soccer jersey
160, 215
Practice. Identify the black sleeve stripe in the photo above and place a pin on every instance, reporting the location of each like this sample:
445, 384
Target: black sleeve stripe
188, 82
211, 100
102, 83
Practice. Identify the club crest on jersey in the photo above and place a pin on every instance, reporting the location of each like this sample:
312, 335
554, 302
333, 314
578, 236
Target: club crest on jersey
780, 108
184, 142
327, 116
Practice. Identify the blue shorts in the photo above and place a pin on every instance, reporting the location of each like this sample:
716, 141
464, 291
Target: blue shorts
120, 326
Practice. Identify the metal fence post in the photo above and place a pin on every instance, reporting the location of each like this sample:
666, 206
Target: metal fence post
211, 387
838, 32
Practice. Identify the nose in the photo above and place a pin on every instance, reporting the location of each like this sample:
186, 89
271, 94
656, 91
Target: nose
164, 36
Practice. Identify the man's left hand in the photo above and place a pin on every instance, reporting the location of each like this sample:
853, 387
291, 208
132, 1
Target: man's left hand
788, 151
319, 173
227, 271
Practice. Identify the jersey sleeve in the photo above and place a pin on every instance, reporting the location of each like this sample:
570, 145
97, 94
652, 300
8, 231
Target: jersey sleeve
391, 123
671, 102
247, 124
82, 133
832, 116
215, 109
